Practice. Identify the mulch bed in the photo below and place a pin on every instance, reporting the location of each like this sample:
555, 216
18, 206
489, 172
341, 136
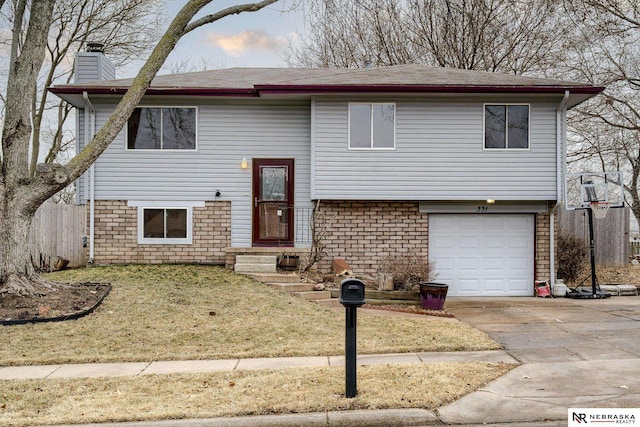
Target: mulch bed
64, 303
410, 309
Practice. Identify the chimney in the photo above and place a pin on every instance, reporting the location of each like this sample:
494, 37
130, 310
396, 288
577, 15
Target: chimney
367, 62
92, 65
95, 47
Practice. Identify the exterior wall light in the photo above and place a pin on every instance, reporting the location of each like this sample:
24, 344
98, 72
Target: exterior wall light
244, 163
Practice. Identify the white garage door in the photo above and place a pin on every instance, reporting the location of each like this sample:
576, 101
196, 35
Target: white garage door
483, 255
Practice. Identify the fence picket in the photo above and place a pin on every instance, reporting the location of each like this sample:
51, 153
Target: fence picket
611, 234
57, 230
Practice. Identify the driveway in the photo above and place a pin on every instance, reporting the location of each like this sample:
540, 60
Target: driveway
575, 353
556, 330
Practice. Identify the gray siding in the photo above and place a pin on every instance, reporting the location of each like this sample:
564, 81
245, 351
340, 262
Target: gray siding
439, 156
226, 134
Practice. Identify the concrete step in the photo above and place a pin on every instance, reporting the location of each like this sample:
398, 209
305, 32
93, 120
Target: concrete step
254, 268
312, 295
275, 277
329, 302
256, 259
292, 287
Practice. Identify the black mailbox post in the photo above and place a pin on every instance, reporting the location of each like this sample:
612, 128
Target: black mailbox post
352, 297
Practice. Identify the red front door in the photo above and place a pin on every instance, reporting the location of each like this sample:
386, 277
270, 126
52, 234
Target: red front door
273, 202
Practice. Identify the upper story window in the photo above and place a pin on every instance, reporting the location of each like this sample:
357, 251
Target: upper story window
506, 126
372, 125
162, 128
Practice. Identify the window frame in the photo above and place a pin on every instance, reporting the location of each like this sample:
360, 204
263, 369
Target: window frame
188, 206
506, 129
170, 150
371, 146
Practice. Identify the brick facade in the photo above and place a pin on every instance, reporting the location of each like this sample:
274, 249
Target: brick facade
116, 236
542, 251
363, 233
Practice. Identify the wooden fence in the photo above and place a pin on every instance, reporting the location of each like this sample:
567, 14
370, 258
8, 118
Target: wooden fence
611, 234
58, 230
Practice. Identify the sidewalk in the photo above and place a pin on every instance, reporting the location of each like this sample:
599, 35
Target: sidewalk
93, 370
533, 394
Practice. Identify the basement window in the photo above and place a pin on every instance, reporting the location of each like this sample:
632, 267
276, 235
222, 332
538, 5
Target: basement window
164, 224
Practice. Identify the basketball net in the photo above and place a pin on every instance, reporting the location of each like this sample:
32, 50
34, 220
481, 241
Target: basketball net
599, 209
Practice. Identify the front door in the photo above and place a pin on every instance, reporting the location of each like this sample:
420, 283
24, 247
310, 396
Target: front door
273, 202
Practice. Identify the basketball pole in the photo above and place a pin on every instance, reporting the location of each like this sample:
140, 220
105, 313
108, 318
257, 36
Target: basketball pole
592, 251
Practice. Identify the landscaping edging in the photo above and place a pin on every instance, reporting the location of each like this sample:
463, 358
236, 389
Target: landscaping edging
68, 316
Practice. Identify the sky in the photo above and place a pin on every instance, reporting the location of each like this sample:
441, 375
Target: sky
250, 39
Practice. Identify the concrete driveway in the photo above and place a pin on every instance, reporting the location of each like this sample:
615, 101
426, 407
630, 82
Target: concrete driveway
575, 354
556, 330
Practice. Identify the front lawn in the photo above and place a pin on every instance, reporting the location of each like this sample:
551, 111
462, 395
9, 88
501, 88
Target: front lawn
170, 312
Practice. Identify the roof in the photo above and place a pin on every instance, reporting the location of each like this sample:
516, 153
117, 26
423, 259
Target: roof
407, 79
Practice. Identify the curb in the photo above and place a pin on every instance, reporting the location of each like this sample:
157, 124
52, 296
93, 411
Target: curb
369, 418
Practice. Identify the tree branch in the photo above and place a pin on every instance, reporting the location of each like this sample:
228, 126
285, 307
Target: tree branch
233, 10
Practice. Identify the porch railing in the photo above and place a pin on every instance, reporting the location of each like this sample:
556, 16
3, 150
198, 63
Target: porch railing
303, 218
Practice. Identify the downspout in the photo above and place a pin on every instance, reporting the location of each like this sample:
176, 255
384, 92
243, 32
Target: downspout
561, 141
89, 132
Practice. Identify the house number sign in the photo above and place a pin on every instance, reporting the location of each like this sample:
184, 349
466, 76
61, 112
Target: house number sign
482, 209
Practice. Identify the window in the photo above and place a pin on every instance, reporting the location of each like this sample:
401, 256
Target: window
165, 222
162, 128
506, 126
372, 126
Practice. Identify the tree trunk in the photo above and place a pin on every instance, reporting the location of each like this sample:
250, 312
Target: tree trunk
17, 273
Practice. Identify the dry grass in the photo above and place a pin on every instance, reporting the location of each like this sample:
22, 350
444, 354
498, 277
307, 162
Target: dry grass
155, 397
629, 275
166, 312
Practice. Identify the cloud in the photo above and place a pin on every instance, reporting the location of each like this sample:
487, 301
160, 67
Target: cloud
239, 44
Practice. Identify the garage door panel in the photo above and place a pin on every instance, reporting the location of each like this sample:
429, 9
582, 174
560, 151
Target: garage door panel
494, 286
468, 264
494, 242
522, 286
487, 254
469, 286
468, 242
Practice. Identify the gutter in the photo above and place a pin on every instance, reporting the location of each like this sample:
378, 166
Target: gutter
89, 132
269, 89
561, 141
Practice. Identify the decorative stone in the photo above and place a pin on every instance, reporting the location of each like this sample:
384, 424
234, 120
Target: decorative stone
341, 268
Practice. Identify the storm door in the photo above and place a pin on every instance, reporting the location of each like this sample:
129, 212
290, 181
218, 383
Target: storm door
273, 202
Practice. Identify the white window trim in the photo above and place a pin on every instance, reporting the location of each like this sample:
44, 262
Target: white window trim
484, 124
161, 150
141, 205
371, 147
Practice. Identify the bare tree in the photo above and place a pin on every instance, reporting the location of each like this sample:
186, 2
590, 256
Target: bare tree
116, 24
21, 193
514, 36
606, 130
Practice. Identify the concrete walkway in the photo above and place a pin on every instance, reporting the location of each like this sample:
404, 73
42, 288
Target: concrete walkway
574, 353
93, 370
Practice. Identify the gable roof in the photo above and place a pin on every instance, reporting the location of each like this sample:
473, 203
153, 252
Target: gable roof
406, 79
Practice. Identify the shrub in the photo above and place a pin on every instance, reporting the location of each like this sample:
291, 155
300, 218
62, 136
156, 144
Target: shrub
408, 270
572, 257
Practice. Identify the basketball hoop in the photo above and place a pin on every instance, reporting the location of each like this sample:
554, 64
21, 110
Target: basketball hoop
599, 209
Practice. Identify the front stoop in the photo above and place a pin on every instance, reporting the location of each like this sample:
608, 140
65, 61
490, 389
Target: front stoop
256, 264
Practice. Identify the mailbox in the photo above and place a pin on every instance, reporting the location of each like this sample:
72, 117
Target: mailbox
352, 293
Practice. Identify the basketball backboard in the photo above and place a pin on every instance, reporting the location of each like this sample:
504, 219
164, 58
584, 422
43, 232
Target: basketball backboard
583, 188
